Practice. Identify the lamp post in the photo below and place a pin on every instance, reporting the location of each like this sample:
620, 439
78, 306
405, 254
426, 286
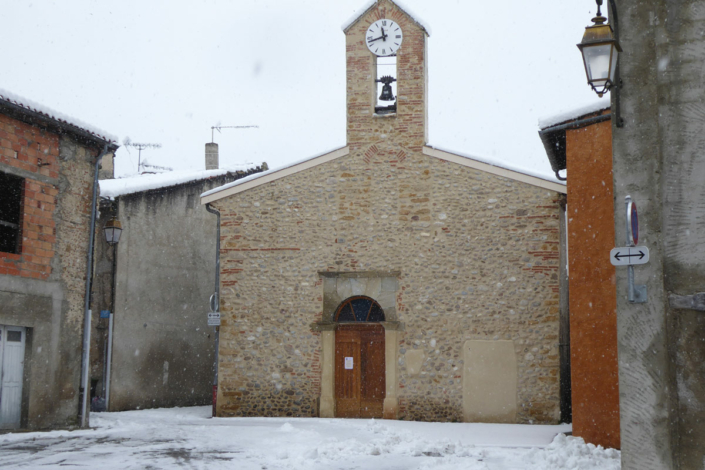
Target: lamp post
112, 231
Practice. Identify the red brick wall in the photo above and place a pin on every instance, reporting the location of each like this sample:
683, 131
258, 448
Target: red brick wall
24, 147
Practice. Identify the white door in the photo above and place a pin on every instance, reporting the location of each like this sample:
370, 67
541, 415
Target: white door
12, 341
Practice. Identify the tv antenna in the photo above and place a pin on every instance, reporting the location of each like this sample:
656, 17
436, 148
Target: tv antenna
140, 146
218, 128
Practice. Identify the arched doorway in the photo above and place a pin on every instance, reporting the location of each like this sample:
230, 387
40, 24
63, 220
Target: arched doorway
359, 359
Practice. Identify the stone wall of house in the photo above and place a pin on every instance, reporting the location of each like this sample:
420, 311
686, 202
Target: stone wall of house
43, 287
476, 256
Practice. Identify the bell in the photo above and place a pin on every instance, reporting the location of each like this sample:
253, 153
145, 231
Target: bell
386, 93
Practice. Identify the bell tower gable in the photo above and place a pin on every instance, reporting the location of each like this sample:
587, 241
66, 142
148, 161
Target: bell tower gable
386, 93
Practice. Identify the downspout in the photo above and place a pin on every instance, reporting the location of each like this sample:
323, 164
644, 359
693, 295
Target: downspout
87, 312
216, 304
544, 135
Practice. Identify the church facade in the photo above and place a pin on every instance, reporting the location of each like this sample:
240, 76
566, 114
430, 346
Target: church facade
389, 278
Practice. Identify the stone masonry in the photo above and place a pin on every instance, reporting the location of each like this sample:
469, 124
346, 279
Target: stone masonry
453, 254
42, 288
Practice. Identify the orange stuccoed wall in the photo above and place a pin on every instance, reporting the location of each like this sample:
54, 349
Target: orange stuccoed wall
593, 302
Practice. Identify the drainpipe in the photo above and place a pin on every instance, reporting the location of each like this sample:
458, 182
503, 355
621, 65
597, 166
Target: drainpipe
216, 303
85, 366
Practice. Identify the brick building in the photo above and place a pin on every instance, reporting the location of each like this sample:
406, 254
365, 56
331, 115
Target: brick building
47, 167
389, 278
581, 143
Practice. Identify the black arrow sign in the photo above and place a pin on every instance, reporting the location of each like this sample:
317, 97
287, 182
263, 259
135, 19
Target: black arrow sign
618, 256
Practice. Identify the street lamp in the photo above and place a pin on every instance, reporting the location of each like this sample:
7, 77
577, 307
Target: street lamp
112, 230
600, 48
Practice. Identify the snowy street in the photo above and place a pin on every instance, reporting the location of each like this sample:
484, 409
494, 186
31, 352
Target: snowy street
190, 438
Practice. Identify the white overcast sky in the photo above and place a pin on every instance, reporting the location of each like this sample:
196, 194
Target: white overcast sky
166, 71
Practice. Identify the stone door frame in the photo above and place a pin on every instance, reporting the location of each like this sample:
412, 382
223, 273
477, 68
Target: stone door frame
382, 286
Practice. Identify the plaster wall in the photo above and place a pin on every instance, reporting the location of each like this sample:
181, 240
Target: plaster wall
593, 302
658, 161
163, 350
680, 53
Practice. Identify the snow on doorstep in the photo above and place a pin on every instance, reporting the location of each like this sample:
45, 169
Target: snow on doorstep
501, 164
268, 172
135, 184
574, 113
178, 437
361, 11
55, 115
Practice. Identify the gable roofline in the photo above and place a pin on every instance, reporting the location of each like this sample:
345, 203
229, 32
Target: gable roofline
372, 3
35, 114
512, 174
274, 174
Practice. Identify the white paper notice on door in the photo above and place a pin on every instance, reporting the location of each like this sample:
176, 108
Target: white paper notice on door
348, 362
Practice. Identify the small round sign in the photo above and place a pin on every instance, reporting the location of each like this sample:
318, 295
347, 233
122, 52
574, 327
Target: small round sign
633, 223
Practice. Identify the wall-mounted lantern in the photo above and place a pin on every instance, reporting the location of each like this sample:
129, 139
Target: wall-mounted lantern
112, 230
600, 49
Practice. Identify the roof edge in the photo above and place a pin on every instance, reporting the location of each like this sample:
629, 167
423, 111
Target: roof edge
495, 170
259, 179
371, 4
37, 118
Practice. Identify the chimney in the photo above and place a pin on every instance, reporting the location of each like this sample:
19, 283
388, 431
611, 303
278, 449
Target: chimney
211, 156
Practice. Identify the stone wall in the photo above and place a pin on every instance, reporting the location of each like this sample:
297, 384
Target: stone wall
476, 256
454, 255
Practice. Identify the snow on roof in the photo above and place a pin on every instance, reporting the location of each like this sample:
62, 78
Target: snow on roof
268, 172
55, 115
135, 184
501, 164
574, 113
371, 3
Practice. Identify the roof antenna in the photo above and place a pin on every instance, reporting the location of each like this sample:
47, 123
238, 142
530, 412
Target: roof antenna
139, 146
218, 128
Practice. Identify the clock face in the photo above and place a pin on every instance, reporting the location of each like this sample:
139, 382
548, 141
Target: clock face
383, 37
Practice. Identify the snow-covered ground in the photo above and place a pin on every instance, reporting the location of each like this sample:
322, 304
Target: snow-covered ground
189, 438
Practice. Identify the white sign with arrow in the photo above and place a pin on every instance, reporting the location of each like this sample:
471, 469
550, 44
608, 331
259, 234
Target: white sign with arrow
629, 255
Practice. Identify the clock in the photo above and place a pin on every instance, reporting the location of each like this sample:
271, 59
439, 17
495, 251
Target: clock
383, 37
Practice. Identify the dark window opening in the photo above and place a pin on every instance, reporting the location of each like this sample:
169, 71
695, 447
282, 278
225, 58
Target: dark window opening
359, 309
11, 192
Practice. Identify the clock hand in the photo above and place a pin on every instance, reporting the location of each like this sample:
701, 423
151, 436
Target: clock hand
376, 39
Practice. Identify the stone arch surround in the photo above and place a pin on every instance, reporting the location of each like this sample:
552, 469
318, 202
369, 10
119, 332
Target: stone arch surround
382, 286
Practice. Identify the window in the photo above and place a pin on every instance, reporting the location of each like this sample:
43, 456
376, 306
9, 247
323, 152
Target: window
386, 101
11, 192
359, 309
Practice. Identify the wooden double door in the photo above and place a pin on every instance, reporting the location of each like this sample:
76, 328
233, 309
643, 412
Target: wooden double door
359, 371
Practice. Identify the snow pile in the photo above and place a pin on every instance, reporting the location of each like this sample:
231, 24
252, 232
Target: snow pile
362, 10
571, 453
574, 113
55, 115
134, 184
170, 438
